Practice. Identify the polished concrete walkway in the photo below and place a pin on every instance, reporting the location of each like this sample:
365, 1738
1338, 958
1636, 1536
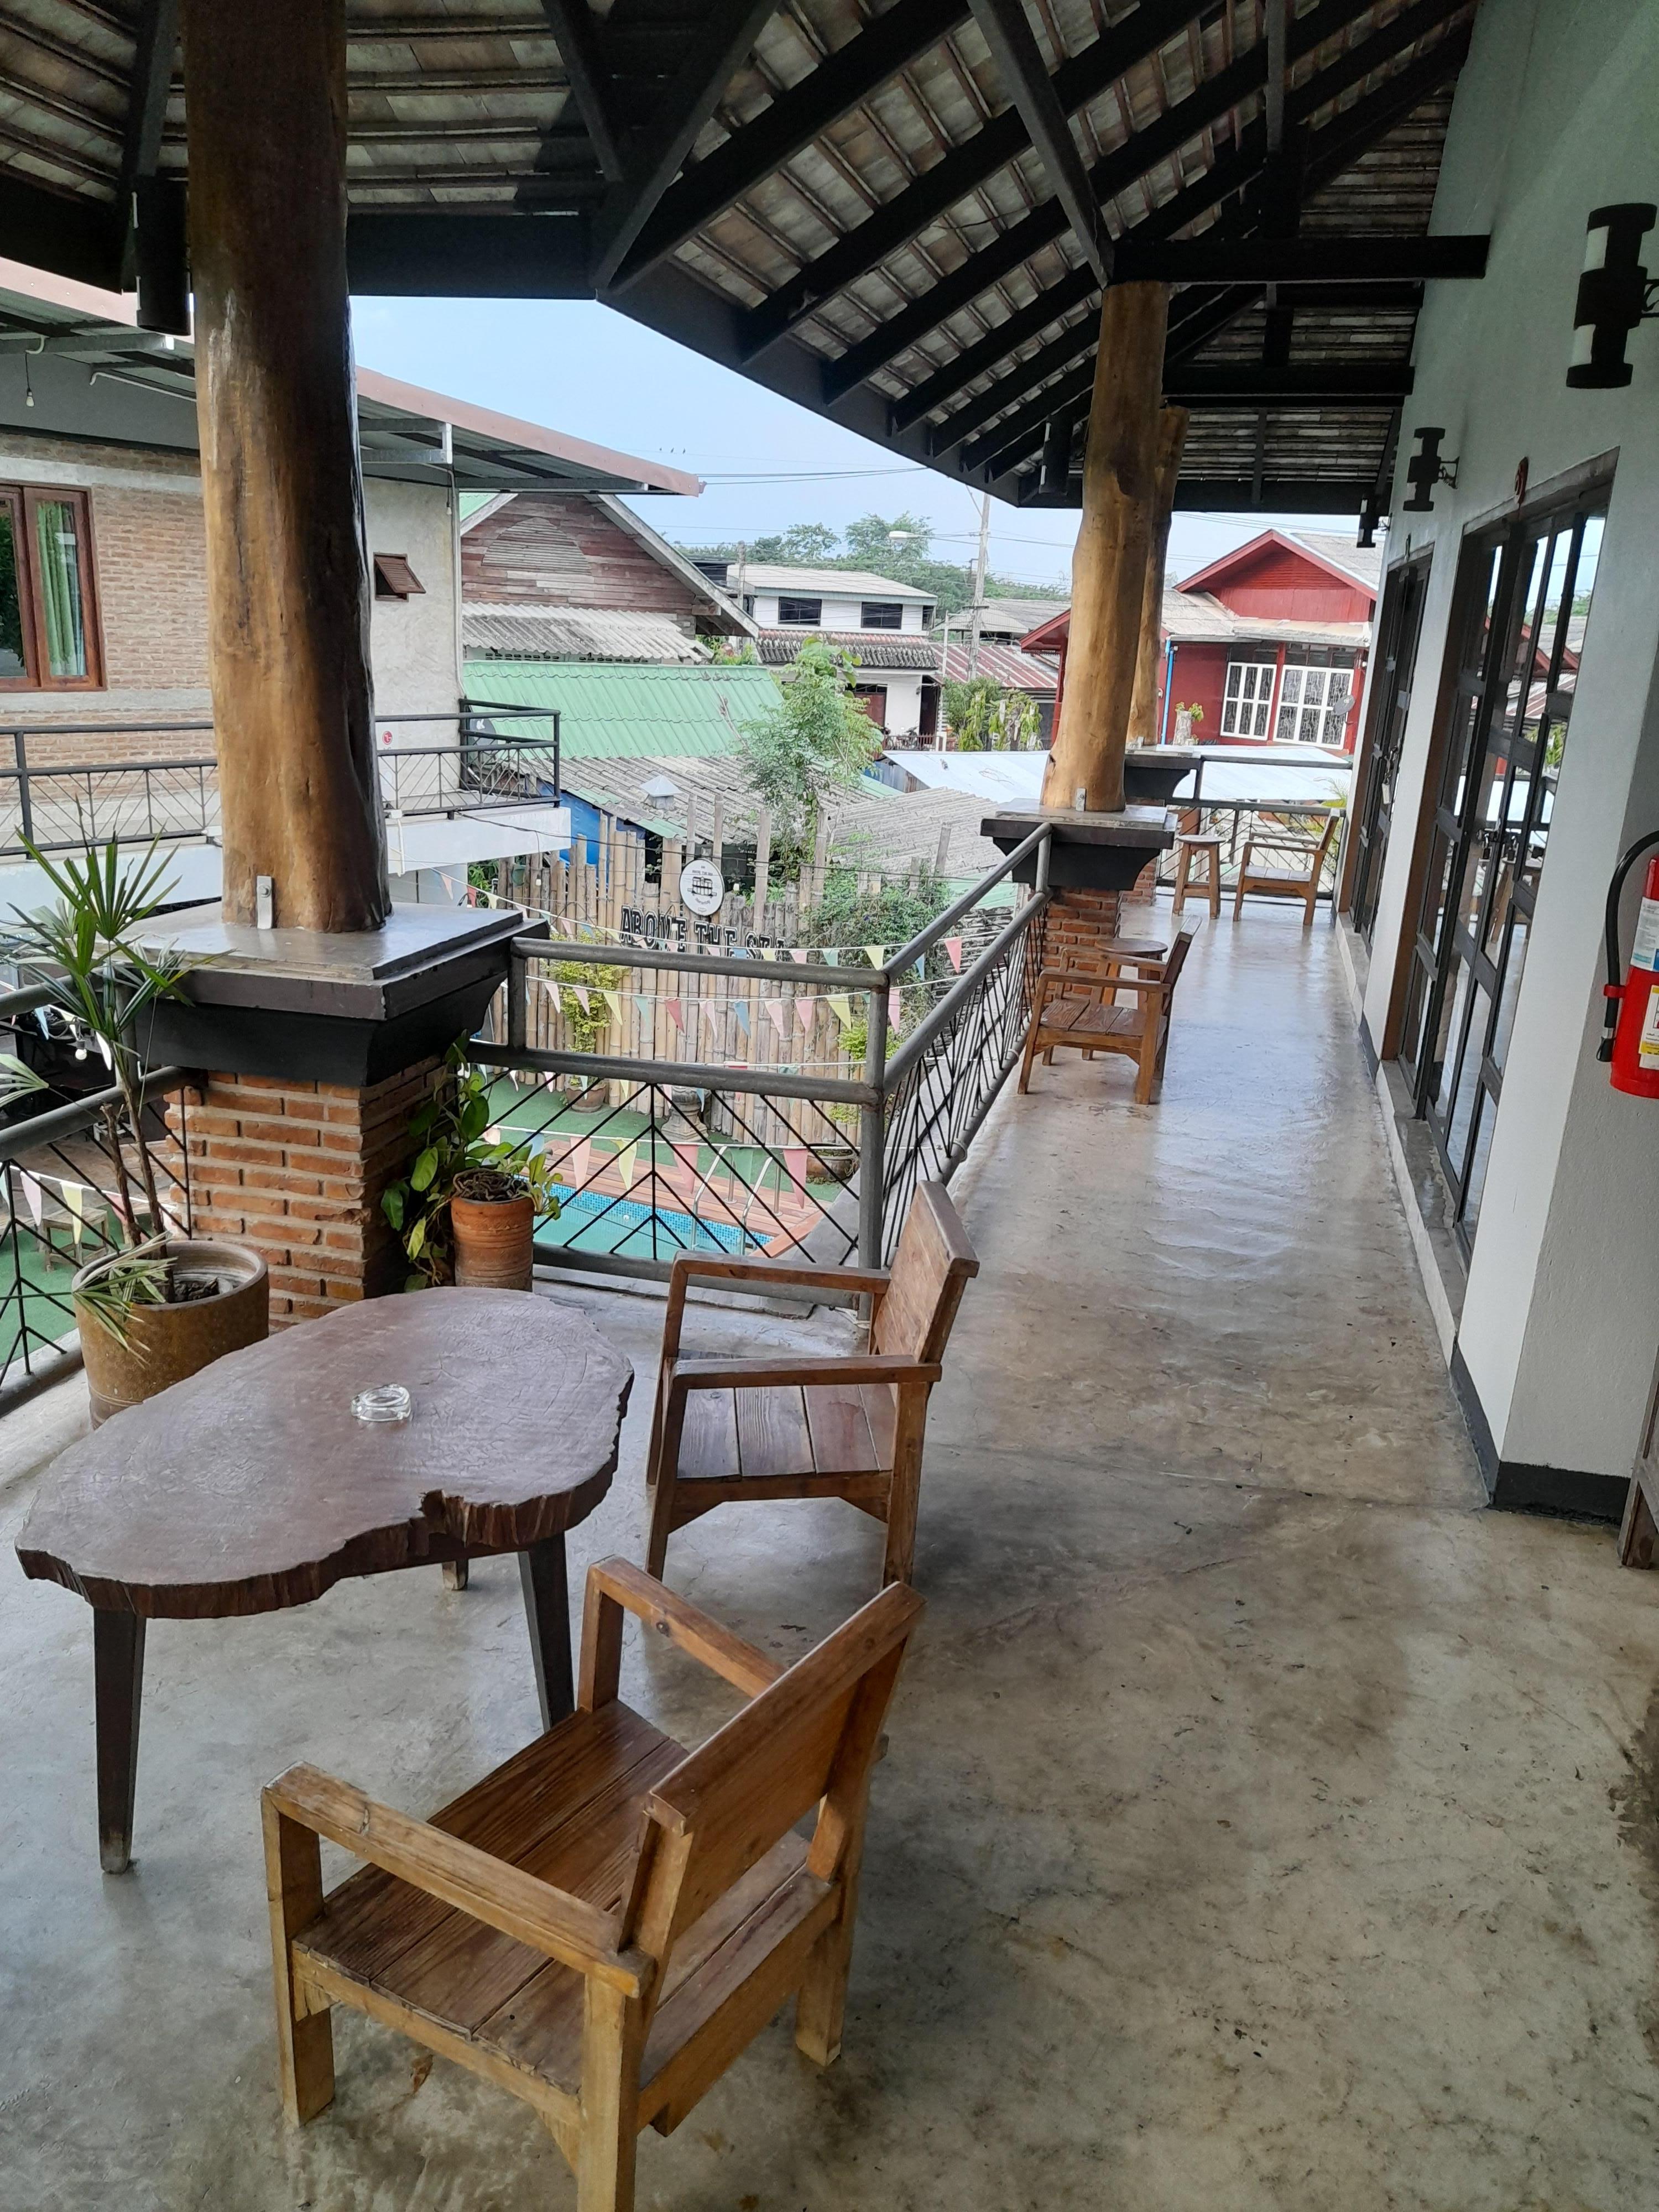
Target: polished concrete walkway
1265, 1824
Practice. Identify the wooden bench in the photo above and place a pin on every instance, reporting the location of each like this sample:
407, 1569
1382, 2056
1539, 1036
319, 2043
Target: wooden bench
607, 1921
1076, 1011
849, 1425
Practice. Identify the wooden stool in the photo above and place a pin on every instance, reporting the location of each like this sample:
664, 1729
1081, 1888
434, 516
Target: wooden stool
1187, 843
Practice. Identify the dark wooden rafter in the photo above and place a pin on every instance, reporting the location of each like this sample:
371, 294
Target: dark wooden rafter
962, 171
1361, 125
1141, 154
654, 156
1008, 36
155, 43
1125, 167
571, 22
840, 83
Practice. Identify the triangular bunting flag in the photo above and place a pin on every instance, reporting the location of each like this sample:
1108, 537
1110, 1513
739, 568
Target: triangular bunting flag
894, 1008
31, 1188
953, 951
842, 1007
613, 999
742, 1013
795, 1157
674, 1014
625, 1163
581, 993
804, 1011
642, 1005
779, 1011
876, 954
799, 953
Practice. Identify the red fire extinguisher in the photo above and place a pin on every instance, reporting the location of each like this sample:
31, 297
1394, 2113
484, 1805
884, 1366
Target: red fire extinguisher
1631, 1040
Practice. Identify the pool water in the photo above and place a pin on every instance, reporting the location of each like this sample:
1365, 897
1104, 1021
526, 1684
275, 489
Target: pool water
590, 1222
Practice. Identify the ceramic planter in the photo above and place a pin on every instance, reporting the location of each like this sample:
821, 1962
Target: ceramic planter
493, 1242
165, 1344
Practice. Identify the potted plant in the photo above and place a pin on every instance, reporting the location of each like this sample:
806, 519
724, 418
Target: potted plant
160, 1305
466, 1211
1186, 720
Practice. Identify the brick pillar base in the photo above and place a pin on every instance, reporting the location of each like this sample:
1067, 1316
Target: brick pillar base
1076, 921
297, 1169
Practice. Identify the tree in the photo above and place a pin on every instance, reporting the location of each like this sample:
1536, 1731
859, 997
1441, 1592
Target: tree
816, 740
869, 547
984, 718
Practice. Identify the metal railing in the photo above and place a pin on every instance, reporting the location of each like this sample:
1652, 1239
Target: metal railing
61, 806
59, 1186
763, 1152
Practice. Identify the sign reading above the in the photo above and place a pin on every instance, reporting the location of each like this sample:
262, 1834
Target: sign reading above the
702, 888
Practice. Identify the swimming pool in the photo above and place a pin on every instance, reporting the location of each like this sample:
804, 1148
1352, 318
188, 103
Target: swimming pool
592, 1222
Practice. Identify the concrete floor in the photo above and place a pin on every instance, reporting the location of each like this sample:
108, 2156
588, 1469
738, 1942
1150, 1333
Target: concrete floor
1266, 1823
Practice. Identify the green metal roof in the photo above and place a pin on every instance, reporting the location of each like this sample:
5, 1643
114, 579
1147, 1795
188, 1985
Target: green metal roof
609, 709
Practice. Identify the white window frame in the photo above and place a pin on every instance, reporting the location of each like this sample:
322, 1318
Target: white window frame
1307, 698
1246, 698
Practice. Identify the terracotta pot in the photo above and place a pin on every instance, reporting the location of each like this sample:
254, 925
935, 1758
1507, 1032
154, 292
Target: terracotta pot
167, 1343
493, 1242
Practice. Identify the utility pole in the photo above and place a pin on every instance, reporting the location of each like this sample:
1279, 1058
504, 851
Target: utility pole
979, 564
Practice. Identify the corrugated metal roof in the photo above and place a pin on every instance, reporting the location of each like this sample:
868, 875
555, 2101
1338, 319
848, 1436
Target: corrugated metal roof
517, 632
607, 712
870, 648
1004, 664
830, 583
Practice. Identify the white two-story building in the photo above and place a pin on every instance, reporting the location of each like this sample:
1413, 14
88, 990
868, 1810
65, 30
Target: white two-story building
883, 625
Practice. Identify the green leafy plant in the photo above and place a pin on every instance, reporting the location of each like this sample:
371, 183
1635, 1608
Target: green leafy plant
453, 1131
584, 1025
816, 740
88, 954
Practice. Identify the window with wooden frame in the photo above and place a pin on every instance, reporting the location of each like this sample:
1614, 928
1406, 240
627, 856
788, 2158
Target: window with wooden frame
1248, 698
49, 639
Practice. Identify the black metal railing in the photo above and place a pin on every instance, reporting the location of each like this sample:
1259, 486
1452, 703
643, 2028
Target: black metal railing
60, 1180
60, 806
763, 1105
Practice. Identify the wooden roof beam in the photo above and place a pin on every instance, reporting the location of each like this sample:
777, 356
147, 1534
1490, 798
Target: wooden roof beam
572, 25
1125, 166
654, 156
1008, 33
842, 82
1319, 258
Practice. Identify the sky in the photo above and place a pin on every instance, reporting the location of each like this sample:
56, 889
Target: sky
575, 366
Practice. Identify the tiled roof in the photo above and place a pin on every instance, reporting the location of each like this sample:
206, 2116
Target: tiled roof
1004, 664
827, 583
1008, 619
532, 633
870, 648
1196, 618
606, 712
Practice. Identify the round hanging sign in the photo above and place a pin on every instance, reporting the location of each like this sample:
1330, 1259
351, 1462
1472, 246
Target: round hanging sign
702, 888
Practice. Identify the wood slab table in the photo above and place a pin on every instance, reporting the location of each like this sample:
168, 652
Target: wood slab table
252, 1487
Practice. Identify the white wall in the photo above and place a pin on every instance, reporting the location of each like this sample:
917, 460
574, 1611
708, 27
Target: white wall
840, 615
1554, 117
903, 697
414, 644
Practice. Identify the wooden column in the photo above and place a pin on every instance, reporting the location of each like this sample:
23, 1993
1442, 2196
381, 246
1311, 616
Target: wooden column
1143, 705
288, 570
1109, 567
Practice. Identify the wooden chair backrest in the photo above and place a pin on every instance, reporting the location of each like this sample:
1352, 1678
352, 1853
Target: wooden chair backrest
1174, 964
930, 1271
725, 1806
1332, 823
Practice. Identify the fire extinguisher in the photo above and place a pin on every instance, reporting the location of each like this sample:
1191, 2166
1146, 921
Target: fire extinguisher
1631, 1038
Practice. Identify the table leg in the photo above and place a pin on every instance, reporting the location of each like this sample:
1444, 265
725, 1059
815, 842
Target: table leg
118, 1668
455, 1573
547, 1609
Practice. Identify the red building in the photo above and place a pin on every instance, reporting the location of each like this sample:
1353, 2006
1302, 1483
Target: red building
1266, 646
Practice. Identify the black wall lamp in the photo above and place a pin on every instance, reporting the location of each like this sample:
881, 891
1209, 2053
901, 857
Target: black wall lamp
1426, 469
1614, 295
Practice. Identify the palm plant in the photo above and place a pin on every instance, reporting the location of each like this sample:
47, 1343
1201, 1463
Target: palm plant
87, 953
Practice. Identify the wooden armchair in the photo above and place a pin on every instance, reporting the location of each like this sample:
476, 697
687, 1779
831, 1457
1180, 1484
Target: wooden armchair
1078, 1012
606, 1921
827, 1425
1298, 881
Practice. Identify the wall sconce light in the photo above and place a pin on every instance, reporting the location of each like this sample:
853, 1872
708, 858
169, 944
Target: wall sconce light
1614, 295
1425, 469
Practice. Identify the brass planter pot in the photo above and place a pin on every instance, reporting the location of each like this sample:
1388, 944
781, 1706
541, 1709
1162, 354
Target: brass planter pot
165, 1344
494, 1241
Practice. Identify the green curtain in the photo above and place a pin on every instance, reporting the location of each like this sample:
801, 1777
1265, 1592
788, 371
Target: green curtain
58, 550
12, 663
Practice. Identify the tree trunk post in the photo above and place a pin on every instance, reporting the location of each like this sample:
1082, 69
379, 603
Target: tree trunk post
288, 568
1143, 707
1109, 567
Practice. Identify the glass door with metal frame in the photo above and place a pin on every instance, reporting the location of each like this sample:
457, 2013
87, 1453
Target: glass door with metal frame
1525, 592
1398, 631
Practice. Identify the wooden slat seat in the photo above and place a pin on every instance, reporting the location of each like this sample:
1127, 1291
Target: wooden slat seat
1293, 873
1075, 1008
731, 1431
603, 1922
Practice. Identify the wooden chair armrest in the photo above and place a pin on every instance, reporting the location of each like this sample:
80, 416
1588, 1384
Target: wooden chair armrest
549, 1920
695, 1631
716, 1373
690, 1267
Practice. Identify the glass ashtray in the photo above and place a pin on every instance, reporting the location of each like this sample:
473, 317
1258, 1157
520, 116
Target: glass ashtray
387, 1402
